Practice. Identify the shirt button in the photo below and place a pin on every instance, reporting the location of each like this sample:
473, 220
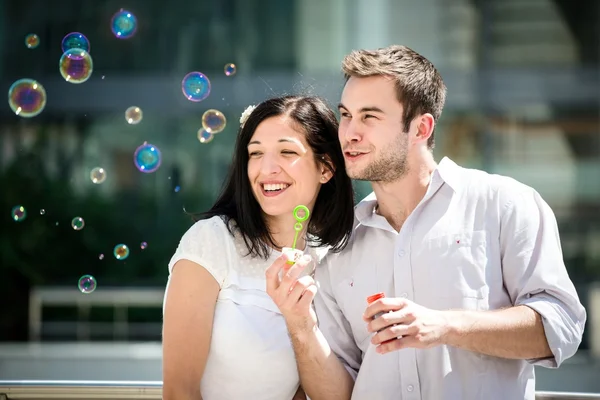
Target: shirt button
410, 388
401, 253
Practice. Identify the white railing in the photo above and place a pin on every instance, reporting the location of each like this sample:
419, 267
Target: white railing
84, 390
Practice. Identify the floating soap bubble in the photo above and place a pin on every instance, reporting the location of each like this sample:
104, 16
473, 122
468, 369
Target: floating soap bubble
18, 213
75, 40
87, 284
177, 189
123, 24
195, 86
101, 257
27, 98
230, 69
204, 136
77, 223
76, 65
42, 212
147, 158
32, 41
121, 251
213, 121
133, 115
98, 175
143, 245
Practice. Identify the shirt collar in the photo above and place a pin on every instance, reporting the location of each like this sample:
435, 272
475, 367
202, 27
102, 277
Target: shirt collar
447, 170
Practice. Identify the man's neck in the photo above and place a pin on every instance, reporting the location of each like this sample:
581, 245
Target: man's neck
397, 200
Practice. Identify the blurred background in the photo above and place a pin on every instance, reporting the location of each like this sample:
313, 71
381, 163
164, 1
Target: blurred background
523, 81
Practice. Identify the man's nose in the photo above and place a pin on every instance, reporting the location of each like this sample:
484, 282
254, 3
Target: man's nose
351, 131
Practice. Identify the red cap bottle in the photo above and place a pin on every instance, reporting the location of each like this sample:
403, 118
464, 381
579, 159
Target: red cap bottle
374, 297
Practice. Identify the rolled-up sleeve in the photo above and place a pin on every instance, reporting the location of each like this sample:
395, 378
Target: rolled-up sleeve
535, 275
332, 323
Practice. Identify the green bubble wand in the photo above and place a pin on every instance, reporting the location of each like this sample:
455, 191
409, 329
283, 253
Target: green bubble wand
298, 225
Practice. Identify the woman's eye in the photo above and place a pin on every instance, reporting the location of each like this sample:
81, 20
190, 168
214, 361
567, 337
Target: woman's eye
255, 153
288, 152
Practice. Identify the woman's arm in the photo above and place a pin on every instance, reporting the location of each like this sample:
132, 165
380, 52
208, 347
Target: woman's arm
187, 327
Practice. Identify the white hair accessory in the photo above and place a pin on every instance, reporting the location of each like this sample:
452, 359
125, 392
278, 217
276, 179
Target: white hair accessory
246, 114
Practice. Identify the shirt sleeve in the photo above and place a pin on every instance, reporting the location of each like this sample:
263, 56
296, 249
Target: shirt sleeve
535, 275
205, 244
332, 323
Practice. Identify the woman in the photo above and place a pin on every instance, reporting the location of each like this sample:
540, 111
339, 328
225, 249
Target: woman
223, 337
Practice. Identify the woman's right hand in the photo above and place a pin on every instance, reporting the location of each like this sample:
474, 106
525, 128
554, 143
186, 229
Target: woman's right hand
292, 293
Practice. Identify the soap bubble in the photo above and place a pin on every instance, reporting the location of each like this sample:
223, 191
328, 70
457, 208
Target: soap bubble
75, 40
18, 213
76, 65
32, 41
123, 24
27, 98
42, 212
213, 121
98, 175
147, 158
230, 69
77, 223
133, 115
121, 251
195, 86
143, 245
204, 137
87, 284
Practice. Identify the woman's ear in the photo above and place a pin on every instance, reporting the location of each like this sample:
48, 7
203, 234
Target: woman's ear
326, 172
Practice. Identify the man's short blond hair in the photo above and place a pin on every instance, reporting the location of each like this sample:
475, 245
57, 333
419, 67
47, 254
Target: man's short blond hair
419, 86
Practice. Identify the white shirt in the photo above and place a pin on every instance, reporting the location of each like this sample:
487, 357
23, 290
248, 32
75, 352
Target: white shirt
476, 241
251, 355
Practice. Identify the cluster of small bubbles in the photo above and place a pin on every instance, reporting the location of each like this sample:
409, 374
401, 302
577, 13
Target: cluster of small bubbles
204, 136
75, 40
18, 213
195, 86
177, 189
98, 175
123, 24
77, 223
147, 158
230, 69
76, 65
121, 251
133, 115
143, 245
32, 41
213, 121
27, 98
101, 256
87, 284
42, 212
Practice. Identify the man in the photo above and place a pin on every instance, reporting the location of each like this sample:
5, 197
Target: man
471, 263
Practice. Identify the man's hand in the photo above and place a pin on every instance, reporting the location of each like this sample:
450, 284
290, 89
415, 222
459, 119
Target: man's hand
293, 294
405, 324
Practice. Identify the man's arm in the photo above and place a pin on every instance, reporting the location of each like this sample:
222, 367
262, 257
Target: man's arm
322, 374
545, 324
515, 332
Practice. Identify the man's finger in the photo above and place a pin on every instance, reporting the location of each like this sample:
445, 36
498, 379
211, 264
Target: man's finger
385, 304
393, 332
404, 316
272, 274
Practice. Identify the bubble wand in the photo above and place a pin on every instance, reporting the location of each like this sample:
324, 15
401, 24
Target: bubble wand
298, 225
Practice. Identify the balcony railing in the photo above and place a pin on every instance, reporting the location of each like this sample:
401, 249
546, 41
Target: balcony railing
84, 390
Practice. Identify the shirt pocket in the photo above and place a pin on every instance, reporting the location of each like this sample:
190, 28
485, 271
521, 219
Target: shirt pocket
457, 265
